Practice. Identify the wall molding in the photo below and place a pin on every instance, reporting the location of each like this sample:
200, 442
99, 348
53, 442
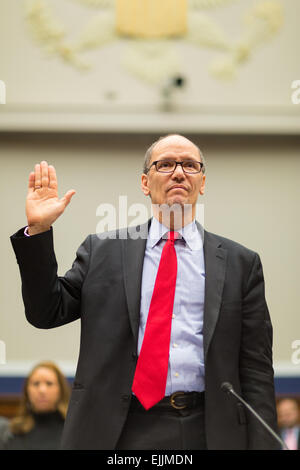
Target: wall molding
284, 120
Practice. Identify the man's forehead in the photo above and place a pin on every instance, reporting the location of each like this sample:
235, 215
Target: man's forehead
176, 144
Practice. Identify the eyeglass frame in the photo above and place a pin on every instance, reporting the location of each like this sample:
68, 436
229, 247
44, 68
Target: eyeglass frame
176, 163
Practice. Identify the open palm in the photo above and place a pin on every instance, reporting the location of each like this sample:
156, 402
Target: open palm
43, 206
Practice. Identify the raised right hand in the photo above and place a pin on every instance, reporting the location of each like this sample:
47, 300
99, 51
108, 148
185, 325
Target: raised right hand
43, 205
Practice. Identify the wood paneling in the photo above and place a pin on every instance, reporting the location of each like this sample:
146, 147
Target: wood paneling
9, 405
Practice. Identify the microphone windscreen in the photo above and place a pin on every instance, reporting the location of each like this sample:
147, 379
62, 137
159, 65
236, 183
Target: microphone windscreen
226, 387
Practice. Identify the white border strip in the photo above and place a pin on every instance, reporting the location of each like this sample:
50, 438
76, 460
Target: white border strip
22, 368
286, 369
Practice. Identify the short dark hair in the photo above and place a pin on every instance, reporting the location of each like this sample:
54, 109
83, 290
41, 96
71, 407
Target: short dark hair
148, 154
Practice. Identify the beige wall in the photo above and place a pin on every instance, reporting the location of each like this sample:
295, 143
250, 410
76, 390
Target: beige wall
252, 196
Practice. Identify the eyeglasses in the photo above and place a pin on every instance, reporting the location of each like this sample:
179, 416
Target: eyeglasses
169, 166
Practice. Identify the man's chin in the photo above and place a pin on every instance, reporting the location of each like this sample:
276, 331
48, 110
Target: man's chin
176, 200
176, 203
174, 213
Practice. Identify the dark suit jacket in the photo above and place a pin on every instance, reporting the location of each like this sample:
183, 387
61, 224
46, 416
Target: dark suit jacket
103, 289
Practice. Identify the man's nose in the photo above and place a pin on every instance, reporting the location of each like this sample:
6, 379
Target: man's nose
178, 172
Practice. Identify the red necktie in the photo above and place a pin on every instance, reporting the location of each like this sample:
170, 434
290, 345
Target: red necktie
149, 383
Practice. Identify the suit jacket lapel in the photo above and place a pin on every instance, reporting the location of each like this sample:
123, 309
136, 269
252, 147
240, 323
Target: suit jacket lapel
133, 251
215, 269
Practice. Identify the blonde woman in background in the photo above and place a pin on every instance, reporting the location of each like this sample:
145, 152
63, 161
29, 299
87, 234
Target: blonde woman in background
42, 412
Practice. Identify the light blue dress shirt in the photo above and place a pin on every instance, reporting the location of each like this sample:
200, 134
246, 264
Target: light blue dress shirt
186, 358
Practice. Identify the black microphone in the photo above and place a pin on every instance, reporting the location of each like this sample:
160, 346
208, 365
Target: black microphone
228, 388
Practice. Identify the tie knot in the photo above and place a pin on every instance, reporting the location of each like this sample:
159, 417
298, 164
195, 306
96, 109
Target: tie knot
173, 236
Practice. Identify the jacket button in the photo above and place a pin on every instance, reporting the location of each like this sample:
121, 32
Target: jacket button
125, 397
134, 356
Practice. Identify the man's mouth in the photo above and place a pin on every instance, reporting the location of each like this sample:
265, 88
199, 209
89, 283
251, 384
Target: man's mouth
178, 187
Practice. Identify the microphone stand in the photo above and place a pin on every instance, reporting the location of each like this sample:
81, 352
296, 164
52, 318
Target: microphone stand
227, 387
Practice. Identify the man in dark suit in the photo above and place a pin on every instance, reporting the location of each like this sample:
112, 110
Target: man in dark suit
219, 327
289, 421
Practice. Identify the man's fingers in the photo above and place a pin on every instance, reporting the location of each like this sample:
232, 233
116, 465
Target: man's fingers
31, 182
37, 175
52, 177
44, 174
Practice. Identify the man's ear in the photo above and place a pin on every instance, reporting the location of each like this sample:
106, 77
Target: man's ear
202, 187
144, 185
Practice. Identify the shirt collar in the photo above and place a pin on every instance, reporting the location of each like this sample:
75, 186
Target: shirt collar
189, 233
